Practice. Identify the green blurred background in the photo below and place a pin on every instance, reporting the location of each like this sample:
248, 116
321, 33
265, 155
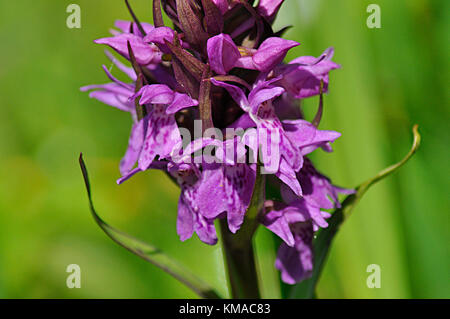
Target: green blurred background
391, 78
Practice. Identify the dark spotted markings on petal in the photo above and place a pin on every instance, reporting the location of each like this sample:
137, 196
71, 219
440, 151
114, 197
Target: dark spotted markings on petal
148, 252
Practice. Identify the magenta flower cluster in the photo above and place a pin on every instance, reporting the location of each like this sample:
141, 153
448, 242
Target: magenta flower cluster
222, 63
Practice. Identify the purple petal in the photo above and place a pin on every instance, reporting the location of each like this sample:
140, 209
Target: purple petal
161, 138
185, 220
143, 52
159, 36
246, 62
317, 188
111, 94
205, 230
257, 97
307, 137
296, 263
180, 101
287, 175
305, 207
275, 222
244, 122
222, 53
302, 76
212, 185
236, 93
239, 184
155, 94
231, 187
204, 227
269, 8
122, 67
272, 52
134, 147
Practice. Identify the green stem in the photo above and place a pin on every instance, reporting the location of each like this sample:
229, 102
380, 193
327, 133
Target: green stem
240, 264
238, 248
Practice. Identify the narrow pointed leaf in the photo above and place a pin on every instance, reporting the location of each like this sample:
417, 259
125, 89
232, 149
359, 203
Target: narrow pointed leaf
204, 100
233, 78
141, 111
322, 245
280, 33
191, 63
135, 19
190, 23
137, 67
187, 82
318, 117
148, 252
157, 14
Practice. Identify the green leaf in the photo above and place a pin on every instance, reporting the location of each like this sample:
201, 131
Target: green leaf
322, 245
148, 252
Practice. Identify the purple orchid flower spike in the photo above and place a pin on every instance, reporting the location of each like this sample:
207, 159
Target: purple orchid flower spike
221, 65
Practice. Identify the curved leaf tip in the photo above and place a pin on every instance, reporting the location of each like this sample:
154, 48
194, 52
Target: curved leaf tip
146, 251
322, 245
